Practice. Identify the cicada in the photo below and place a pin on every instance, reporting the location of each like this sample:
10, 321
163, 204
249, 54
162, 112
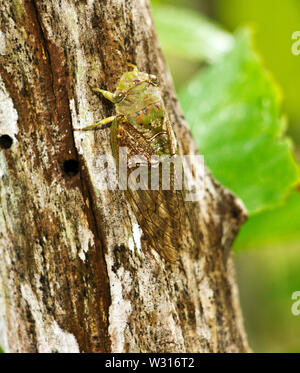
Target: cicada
142, 126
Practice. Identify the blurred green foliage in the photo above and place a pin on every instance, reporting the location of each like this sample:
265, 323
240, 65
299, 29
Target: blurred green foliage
234, 109
180, 29
190, 29
267, 280
234, 113
273, 228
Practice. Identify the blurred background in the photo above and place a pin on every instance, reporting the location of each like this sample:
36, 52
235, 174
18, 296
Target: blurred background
238, 81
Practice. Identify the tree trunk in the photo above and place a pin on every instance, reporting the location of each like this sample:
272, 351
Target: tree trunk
74, 272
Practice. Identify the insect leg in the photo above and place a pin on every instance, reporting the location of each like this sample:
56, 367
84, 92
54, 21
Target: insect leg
132, 65
102, 122
106, 94
156, 135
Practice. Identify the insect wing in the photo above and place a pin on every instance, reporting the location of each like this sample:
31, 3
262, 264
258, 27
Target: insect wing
159, 212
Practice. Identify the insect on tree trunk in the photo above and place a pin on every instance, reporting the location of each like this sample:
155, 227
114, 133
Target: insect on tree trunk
75, 271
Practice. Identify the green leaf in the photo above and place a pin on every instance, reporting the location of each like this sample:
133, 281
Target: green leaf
185, 33
274, 228
233, 108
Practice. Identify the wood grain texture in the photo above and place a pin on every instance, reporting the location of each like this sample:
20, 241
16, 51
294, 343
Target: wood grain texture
75, 273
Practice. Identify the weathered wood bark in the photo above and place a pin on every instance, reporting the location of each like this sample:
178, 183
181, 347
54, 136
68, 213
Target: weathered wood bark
74, 273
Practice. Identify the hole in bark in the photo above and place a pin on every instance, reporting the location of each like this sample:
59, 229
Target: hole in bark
5, 141
71, 167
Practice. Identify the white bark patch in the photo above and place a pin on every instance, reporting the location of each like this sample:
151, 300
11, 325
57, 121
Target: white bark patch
137, 234
79, 134
84, 143
131, 244
2, 44
86, 238
8, 114
50, 337
134, 241
119, 310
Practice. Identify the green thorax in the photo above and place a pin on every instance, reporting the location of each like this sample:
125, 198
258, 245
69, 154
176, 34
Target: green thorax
142, 103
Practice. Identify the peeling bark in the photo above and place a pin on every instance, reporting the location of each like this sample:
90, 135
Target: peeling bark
74, 272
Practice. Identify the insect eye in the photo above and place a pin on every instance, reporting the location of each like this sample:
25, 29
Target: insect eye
118, 97
153, 79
